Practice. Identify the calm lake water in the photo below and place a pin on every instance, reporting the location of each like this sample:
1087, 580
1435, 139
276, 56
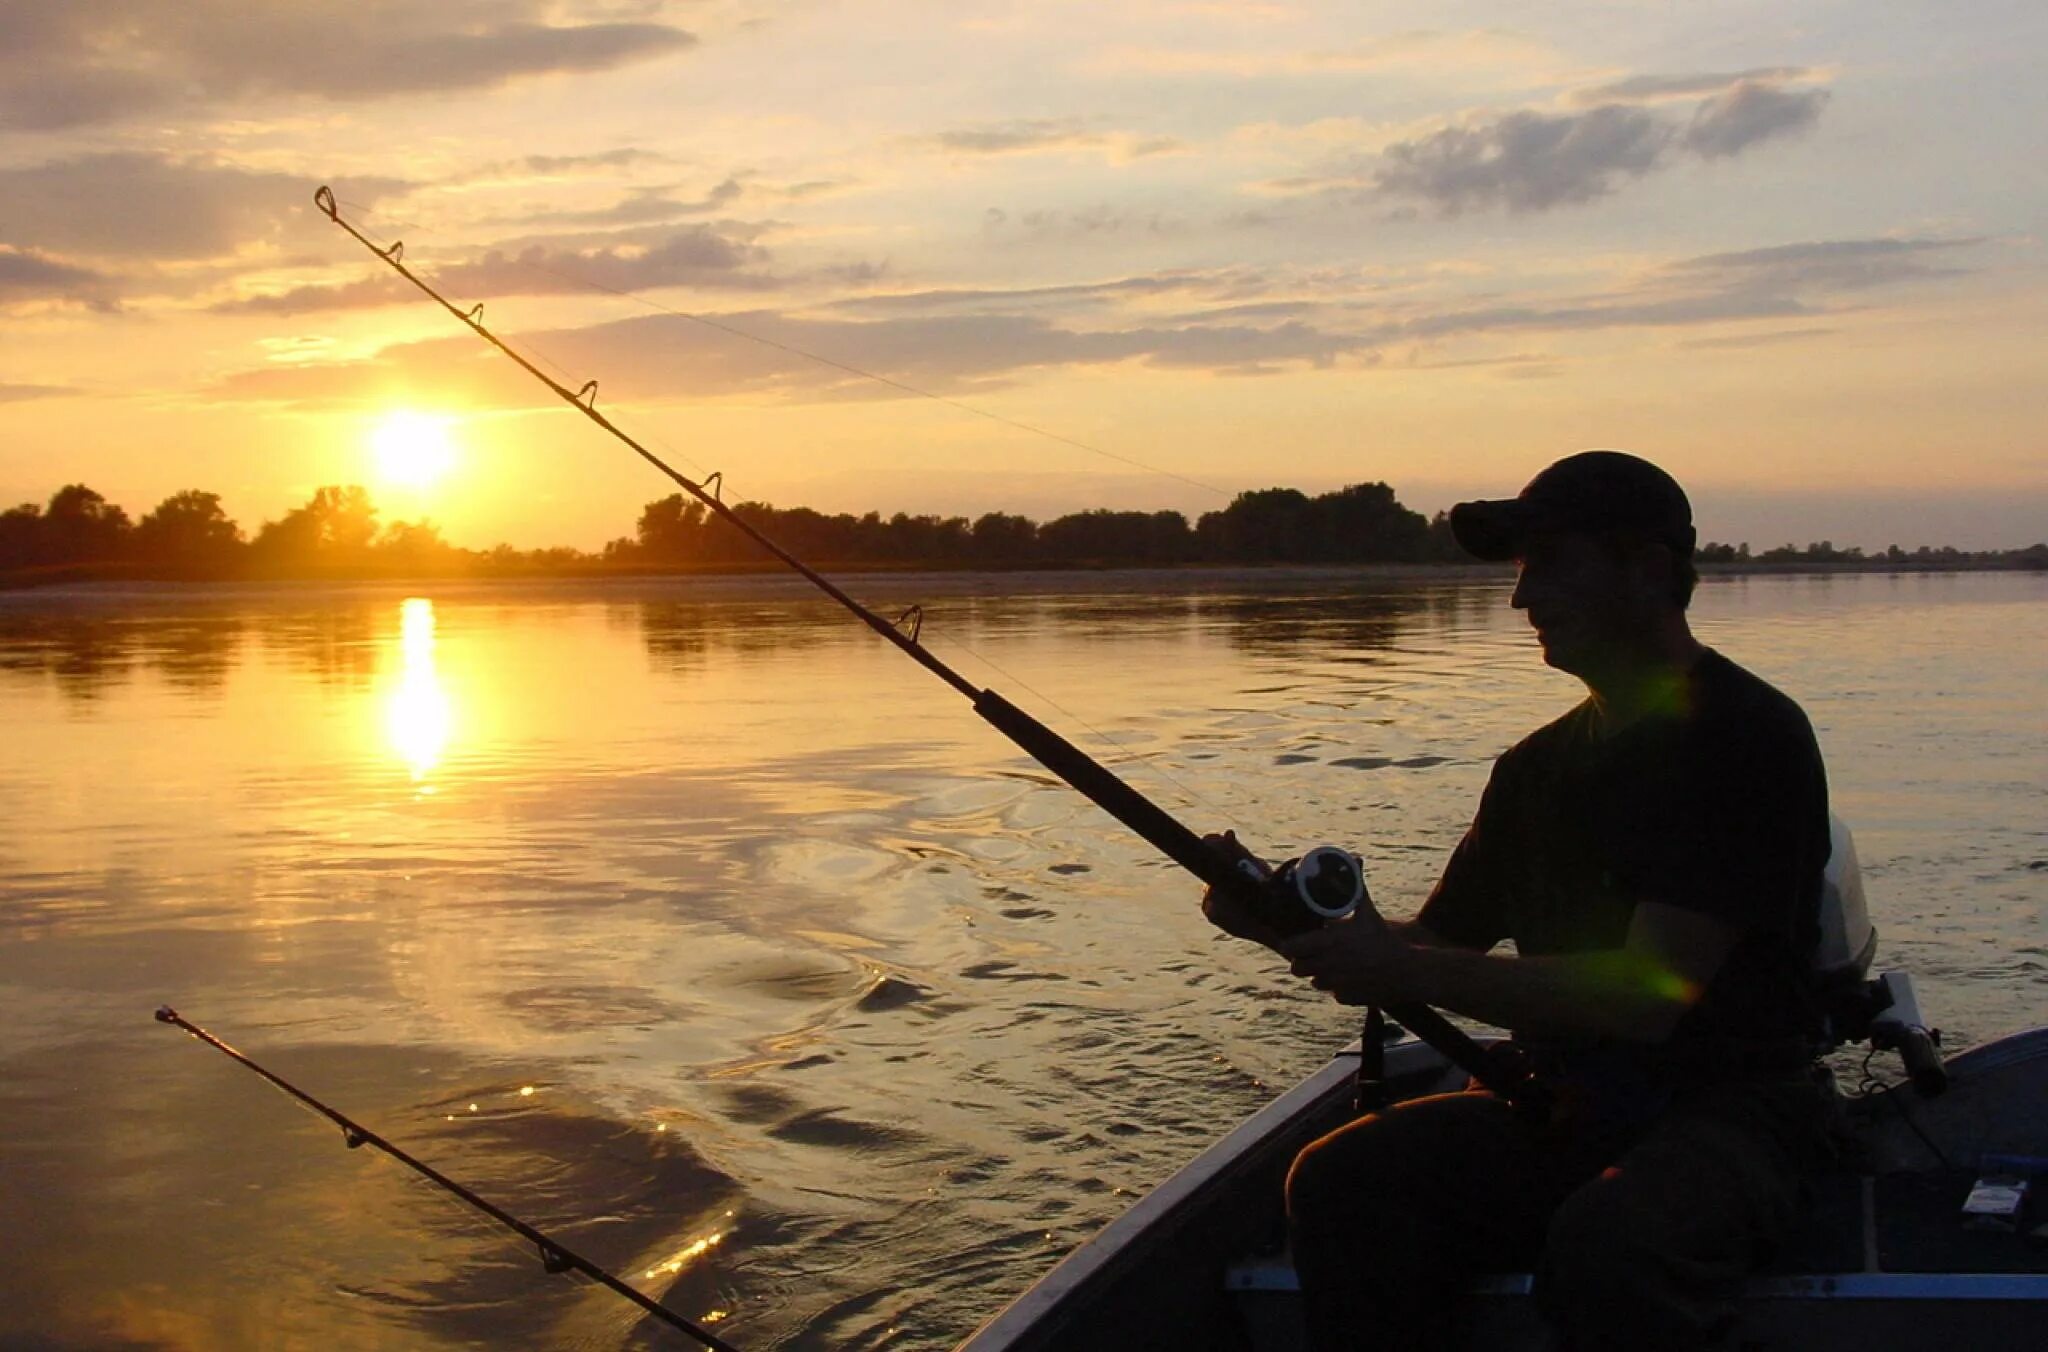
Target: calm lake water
690, 919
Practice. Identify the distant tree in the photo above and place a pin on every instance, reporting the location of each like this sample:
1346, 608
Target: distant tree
1002, 538
1359, 523
1257, 527
671, 529
1439, 545
21, 536
1104, 536
188, 528
336, 526
1364, 523
415, 544
80, 526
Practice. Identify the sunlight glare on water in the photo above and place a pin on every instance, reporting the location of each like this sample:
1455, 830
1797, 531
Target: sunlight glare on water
419, 715
686, 918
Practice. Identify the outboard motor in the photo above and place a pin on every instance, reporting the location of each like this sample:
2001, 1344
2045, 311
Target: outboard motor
1884, 1011
1847, 942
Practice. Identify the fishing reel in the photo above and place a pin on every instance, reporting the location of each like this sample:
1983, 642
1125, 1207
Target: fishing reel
1326, 884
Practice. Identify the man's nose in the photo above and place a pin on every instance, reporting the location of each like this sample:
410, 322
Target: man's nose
1519, 598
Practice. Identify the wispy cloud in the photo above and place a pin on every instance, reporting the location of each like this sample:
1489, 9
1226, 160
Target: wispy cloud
696, 256
1051, 224
1066, 296
1423, 51
663, 357
1670, 88
1831, 265
1773, 338
531, 167
137, 207
74, 64
644, 206
952, 341
1038, 136
15, 394
29, 276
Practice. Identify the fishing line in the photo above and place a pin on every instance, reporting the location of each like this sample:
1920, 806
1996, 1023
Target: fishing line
1325, 883
850, 369
554, 1256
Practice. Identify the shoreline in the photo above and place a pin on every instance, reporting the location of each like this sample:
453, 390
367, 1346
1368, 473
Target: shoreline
100, 579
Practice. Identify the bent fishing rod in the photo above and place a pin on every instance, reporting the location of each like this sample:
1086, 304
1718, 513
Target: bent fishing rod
554, 1256
1327, 883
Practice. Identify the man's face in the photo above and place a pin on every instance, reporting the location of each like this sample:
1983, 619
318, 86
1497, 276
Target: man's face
1587, 602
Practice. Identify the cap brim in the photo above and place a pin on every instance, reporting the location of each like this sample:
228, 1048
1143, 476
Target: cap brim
1492, 529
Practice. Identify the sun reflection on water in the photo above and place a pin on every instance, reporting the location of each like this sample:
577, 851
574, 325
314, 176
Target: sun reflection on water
419, 717
690, 1252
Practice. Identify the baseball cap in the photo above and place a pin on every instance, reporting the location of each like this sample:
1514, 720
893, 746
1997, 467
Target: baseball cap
1592, 491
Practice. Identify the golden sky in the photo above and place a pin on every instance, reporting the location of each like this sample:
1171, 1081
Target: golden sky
1790, 250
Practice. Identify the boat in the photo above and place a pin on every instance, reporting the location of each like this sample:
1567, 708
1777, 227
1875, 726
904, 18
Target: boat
1887, 1259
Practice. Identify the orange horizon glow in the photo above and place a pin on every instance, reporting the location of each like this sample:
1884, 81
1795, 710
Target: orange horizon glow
1206, 248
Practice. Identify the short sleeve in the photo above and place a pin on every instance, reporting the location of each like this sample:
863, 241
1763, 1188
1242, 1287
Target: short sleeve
1470, 904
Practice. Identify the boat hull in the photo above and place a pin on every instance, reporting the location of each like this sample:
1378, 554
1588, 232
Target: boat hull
1885, 1262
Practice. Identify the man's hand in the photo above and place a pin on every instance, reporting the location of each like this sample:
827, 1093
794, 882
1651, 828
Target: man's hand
1225, 908
1359, 960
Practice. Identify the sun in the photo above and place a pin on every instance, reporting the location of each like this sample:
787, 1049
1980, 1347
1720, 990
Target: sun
413, 450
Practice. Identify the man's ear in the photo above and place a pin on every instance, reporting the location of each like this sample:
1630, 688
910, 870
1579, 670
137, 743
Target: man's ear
1648, 569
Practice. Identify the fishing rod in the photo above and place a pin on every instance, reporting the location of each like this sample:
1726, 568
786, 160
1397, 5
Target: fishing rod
1326, 883
554, 1256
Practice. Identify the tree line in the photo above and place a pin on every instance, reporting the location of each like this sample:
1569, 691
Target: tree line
1362, 523
189, 534
336, 533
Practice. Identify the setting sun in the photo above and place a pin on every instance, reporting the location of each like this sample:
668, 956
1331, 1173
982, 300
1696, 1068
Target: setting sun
412, 450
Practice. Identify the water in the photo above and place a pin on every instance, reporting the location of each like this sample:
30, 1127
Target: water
691, 920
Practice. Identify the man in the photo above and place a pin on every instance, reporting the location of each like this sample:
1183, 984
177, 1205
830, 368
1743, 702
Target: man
1656, 856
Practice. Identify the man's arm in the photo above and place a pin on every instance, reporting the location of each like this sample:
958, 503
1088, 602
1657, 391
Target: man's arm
1637, 992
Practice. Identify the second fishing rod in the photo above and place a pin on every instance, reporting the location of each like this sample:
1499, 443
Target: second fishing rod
1325, 884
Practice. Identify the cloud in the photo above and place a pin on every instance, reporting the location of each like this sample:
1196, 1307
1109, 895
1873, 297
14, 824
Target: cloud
1429, 52
1664, 88
147, 207
1832, 265
693, 256
1749, 112
1527, 160
1791, 281
1043, 224
1524, 161
1748, 340
14, 394
1034, 136
530, 168
75, 64
29, 276
1067, 294
959, 341
646, 206
661, 357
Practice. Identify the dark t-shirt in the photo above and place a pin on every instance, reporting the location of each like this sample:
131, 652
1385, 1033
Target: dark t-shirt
1716, 805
